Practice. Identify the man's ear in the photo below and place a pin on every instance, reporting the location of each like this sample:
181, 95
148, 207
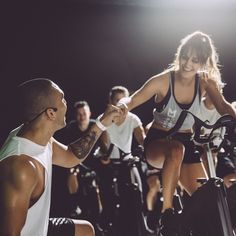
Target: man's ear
51, 113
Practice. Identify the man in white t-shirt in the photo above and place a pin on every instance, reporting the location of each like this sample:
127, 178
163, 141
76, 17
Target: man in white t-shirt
120, 134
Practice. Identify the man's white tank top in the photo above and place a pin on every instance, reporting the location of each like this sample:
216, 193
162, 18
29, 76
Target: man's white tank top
38, 215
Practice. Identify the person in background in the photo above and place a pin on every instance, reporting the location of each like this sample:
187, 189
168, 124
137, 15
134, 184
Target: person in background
68, 183
225, 167
120, 134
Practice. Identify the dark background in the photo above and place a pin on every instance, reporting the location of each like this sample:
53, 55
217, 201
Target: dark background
89, 46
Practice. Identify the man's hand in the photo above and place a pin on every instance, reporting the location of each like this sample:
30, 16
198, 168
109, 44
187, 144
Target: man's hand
111, 115
124, 109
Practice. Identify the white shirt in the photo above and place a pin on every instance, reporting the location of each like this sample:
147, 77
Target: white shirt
122, 135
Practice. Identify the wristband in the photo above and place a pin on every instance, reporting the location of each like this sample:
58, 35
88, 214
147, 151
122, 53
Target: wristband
100, 125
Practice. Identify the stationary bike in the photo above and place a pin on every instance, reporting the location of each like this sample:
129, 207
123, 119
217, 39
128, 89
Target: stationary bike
121, 195
207, 212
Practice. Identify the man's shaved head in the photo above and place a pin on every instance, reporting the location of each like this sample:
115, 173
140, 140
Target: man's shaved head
35, 96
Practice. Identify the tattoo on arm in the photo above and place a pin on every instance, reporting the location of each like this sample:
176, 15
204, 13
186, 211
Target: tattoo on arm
83, 145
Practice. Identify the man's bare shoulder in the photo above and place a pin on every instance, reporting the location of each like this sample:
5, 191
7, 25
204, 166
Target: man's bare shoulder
19, 171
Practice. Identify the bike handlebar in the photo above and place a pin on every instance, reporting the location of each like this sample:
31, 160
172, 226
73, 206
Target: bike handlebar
226, 121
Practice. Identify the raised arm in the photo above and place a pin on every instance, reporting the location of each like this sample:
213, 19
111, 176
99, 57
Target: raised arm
76, 152
17, 181
149, 89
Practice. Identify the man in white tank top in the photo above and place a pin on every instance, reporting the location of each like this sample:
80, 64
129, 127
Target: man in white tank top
26, 160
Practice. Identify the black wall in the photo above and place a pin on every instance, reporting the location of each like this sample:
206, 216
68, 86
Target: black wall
88, 46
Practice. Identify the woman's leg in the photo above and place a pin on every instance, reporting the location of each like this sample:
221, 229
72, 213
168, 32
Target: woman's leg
167, 155
189, 174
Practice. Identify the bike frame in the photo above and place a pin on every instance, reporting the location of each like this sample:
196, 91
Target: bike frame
215, 184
